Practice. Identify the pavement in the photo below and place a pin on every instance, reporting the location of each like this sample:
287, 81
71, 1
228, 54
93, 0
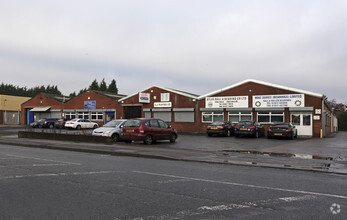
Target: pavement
319, 155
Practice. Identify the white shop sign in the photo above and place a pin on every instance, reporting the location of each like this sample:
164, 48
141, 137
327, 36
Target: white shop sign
144, 97
162, 104
227, 102
280, 100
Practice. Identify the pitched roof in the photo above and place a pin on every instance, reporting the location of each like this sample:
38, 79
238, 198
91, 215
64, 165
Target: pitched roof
109, 94
261, 83
189, 95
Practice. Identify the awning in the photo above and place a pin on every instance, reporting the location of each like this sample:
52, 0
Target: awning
40, 109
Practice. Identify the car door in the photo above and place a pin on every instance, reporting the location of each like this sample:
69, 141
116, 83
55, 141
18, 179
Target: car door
165, 130
155, 129
88, 124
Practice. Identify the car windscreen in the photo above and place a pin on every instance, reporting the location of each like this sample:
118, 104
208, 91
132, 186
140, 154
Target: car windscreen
113, 124
132, 123
245, 124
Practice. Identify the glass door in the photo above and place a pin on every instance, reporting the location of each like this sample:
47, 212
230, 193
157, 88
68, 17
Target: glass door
303, 123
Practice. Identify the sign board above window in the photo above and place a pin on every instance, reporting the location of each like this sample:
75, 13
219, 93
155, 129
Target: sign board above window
279, 100
162, 104
227, 102
89, 104
144, 97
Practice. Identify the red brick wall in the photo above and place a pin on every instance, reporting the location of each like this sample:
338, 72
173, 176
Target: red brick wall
102, 102
38, 101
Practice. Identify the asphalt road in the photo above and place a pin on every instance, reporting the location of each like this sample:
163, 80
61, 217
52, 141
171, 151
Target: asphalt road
50, 184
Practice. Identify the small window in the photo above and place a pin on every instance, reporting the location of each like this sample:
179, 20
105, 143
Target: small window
165, 97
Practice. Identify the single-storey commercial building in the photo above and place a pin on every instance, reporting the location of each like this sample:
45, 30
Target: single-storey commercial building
247, 100
173, 106
97, 106
10, 108
267, 103
42, 106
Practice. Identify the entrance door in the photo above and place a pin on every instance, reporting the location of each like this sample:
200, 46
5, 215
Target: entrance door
132, 112
303, 123
109, 116
30, 116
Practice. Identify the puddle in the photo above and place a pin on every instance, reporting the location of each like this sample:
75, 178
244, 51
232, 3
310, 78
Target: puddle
288, 155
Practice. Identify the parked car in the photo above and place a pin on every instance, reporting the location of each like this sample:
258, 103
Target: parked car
60, 123
252, 128
38, 123
147, 130
282, 130
111, 129
49, 122
80, 123
225, 128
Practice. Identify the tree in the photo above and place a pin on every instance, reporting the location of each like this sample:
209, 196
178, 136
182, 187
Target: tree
94, 85
103, 86
112, 87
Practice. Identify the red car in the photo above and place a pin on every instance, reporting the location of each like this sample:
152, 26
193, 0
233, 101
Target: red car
147, 130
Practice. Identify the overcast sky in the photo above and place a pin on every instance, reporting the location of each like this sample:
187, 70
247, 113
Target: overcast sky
197, 46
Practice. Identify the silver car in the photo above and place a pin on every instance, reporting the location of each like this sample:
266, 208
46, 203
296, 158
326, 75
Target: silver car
111, 129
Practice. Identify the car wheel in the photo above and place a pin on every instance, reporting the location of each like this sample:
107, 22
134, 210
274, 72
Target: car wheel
173, 138
269, 137
95, 126
148, 140
50, 126
228, 133
127, 141
115, 137
208, 134
236, 135
78, 127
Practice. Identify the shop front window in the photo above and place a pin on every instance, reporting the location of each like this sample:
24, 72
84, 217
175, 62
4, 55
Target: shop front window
235, 116
97, 115
270, 117
212, 116
83, 115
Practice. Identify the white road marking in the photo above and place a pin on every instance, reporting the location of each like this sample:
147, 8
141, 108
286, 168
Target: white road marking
43, 159
244, 185
57, 174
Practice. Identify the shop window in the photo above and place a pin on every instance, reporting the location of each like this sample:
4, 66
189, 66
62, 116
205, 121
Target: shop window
270, 117
235, 116
70, 115
97, 116
84, 115
212, 116
306, 120
296, 120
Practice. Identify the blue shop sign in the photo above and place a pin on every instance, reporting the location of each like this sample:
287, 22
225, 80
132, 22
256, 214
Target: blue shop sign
89, 104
